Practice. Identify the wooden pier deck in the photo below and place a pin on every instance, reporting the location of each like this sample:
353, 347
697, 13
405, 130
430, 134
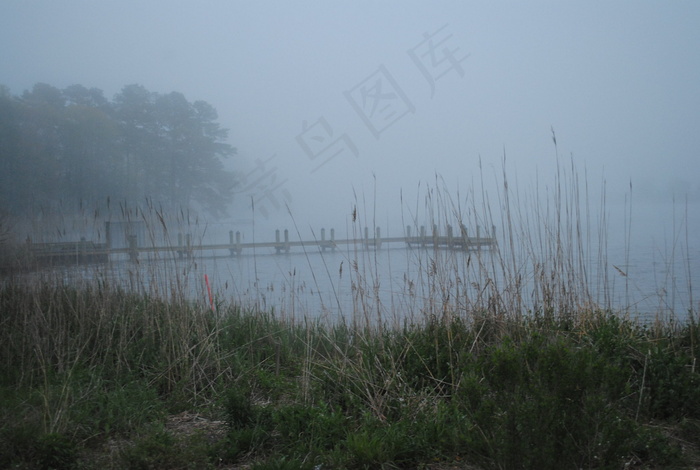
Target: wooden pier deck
84, 252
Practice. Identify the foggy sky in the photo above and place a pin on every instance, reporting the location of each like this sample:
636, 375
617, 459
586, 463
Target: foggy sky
296, 82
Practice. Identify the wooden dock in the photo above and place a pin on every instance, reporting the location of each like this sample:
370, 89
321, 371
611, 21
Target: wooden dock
84, 252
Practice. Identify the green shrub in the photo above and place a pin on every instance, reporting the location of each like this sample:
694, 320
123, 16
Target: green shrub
309, 429
673, 387
26, 447
545, 403
111, 408
239, 408
56, 452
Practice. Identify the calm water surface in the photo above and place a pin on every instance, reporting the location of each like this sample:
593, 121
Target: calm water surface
398, 284
648, 273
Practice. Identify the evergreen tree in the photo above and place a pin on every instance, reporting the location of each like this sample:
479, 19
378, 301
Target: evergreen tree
74, 146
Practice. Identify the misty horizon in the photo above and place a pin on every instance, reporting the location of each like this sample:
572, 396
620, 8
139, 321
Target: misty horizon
338, 105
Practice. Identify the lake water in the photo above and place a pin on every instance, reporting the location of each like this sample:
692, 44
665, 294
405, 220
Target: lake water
397, 284
649, 273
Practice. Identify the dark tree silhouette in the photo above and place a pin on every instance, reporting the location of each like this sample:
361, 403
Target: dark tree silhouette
73, 145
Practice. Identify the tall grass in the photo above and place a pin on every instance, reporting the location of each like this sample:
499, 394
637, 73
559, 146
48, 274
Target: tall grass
84, 365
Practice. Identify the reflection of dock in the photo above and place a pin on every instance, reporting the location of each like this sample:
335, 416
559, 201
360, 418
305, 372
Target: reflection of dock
83, 252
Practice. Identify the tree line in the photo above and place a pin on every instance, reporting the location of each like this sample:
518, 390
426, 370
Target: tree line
73, 146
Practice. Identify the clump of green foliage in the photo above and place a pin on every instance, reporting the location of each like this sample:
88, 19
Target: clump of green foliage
89, 378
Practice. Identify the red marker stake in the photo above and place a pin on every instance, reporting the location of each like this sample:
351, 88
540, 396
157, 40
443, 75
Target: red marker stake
211, 299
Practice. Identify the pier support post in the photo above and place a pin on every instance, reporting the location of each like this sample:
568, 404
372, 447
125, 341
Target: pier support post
133, 249
188, 242
422, 235
449, 236
180, 247
286, 240
465, 237
333, 239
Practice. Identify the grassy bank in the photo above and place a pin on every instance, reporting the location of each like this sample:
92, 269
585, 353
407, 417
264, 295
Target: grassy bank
513, 358
101, 378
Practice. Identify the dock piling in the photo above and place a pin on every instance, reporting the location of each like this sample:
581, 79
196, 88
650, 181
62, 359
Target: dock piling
278, 246
234, 244
133, 249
